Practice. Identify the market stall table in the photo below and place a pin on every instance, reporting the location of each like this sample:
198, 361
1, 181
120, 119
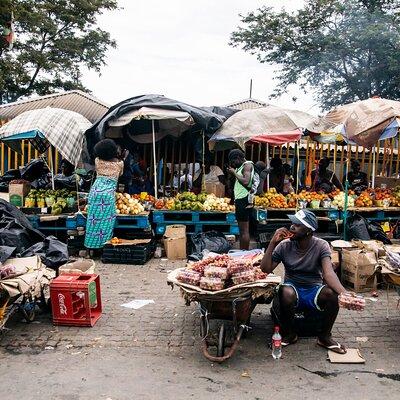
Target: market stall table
196, 221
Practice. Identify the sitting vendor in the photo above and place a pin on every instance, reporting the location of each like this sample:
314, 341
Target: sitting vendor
310, 282
324, 180
357, 179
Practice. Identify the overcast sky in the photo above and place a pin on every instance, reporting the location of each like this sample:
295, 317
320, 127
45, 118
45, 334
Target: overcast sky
179, 48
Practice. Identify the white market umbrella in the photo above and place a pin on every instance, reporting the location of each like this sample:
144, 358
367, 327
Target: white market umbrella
170, 123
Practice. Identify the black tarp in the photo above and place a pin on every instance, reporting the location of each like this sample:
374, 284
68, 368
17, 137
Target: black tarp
19, 238
208, 119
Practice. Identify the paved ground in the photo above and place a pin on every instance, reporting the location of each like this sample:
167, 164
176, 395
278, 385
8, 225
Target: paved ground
153, 353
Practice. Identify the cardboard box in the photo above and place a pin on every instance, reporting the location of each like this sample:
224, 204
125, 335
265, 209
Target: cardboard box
217, 188
175, 242
18, 192
335, 259
78, 267
357, 267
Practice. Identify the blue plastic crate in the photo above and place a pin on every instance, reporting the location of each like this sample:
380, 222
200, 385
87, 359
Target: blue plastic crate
132, 222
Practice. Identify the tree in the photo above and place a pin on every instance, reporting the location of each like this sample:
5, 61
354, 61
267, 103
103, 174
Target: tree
55, 40
344, 50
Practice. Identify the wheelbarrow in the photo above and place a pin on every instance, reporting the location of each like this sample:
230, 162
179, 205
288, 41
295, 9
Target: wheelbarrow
237, 310
234, 305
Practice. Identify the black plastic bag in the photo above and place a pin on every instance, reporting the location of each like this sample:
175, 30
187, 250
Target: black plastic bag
52, 252
212, 241
6, 252
8, 213
377, 233
34, 170
3, 186
15, 235
10, 175
357, 228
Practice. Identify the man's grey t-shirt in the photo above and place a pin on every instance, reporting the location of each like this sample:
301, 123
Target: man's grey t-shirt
302, 268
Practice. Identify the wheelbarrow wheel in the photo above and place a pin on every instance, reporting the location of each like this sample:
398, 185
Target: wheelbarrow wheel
221, 341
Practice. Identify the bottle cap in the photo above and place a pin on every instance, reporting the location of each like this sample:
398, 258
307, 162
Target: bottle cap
276, 329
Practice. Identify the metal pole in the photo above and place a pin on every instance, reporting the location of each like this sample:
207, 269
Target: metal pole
373, 167
268, 166
154, 160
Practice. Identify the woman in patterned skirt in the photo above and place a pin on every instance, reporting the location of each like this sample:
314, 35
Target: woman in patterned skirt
101, 201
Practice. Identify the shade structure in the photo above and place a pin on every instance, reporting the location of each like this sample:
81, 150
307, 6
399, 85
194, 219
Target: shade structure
48, 126
170, 122
367, 121
271, 124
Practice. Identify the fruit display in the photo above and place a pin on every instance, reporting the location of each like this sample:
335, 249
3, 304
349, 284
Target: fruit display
144, 196
201, 202
115, 241
58, 200
339, 200
271, 199
214, 203
364, 199
292, 199
127, 205
396, 196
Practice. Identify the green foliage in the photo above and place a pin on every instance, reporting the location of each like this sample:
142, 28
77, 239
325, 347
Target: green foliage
55, 40
345, 50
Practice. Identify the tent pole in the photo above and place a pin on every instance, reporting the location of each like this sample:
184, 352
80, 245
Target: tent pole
268, 165
346, 196
373, 166
52, 167
154, 159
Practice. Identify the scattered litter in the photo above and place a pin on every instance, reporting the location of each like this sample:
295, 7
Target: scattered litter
245, 374
76, 353
136, 304
373, 299
69, 346
379, 370
362, 339
96, 339
49, 348
375, 294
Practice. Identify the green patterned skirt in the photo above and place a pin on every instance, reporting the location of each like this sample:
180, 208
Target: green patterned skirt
101, 212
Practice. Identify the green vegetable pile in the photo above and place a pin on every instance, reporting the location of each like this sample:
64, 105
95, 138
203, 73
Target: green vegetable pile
58, 200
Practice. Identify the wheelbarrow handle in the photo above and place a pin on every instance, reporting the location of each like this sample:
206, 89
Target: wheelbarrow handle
230, 352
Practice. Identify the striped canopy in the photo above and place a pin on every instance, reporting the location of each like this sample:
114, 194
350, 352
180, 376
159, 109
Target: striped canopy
63, 129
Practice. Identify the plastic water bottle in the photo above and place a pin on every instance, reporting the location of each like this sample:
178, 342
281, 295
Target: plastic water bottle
276, 344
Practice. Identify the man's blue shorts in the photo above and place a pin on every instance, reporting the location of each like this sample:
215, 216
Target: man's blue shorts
307, 296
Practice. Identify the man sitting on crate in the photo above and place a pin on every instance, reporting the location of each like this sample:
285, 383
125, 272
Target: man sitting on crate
310, 282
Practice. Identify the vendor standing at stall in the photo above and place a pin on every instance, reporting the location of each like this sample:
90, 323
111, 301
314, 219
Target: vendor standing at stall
358, 180
324, 180
243, 171
310, 281
101, 200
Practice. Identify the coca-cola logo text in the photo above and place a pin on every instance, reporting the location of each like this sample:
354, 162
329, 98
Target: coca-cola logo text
61, 303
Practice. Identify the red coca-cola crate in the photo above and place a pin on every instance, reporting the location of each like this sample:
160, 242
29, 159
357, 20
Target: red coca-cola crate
76, 299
